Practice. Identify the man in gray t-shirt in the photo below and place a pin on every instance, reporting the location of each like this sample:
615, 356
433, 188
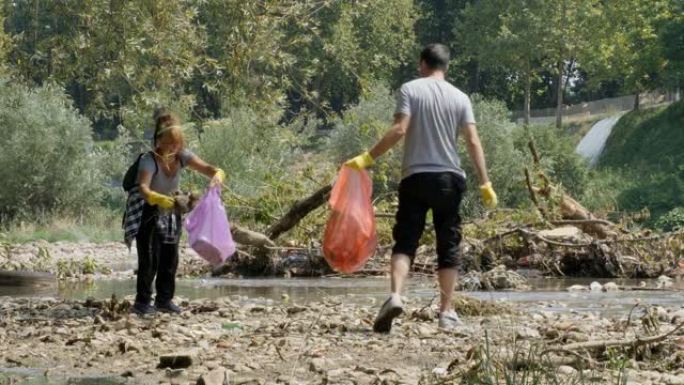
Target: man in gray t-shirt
430, 114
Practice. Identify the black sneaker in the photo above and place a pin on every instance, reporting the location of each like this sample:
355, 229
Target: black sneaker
167, 307
142, 308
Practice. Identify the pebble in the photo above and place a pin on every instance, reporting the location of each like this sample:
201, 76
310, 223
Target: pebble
576, 288
526, 333
611, 286
566, 370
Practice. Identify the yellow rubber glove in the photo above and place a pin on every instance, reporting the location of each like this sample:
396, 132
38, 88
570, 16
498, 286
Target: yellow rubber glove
360, 162
218, 178
488, 196
160, 200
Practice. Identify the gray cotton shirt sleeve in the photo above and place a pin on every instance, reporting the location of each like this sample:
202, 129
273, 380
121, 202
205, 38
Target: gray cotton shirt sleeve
185, 157
467, 115
403, 101
147, 164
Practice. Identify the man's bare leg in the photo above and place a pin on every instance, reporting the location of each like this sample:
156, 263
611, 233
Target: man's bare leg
393, 307
399, 268
447, 285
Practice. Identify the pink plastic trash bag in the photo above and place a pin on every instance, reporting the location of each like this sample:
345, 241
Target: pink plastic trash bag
350, 237
208, 228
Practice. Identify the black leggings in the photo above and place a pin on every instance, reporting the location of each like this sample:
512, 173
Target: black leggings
155, 258
440, 192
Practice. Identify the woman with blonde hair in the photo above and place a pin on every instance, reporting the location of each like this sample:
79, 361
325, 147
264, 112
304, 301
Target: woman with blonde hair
159, 229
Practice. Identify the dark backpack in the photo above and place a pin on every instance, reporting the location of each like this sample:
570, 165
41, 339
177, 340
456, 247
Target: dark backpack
130, 179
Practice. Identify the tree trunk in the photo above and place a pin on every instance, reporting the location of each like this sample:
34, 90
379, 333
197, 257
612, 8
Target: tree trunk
528, 87
561, 64
637, 101
559, 95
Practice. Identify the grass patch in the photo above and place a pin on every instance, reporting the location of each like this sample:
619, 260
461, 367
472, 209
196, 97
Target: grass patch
578, 127
647, 139
646, 148
469, 306
100, 225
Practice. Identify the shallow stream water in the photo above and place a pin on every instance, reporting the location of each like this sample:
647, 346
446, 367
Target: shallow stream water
547, 294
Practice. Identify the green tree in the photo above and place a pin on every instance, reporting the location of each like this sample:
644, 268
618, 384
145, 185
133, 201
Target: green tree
347, 47
630, 47
535, 37
672, 42
510, 34
117, 59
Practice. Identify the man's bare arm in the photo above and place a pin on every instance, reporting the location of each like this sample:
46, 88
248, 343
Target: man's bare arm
474, 146
393, 136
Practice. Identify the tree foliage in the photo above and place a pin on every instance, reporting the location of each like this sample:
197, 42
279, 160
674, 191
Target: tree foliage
48, 160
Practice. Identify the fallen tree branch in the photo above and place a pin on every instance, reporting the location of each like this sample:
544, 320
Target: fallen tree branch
298, 211
582, 222
588, 359
250, 238
385, 215
550, 242
641, 239
533, 194
635, 342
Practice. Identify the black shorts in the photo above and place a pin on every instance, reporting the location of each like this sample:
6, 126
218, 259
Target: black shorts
440, 192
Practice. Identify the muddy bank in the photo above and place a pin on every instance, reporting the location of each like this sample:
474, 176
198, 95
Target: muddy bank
331, 342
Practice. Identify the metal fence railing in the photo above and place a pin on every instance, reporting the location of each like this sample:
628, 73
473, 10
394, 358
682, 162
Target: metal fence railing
598, 107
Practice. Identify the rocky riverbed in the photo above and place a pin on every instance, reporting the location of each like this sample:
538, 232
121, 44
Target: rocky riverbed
83, 260
233, 342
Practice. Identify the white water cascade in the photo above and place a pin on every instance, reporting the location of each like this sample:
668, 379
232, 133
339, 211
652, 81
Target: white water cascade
593, 143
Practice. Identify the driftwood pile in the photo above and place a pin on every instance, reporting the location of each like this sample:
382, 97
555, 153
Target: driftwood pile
569, 240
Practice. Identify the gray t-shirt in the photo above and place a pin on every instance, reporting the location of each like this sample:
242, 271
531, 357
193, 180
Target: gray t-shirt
161, 182
437, 110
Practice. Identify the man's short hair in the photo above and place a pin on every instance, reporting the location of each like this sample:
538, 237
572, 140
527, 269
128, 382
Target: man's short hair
436, 56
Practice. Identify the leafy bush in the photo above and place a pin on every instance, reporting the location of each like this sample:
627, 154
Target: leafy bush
247, 144
673, 220
557, 156
504, 160
266, 170
360, 127
602, 191
47, 162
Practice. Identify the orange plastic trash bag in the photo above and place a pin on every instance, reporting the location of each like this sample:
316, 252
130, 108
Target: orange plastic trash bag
350, 237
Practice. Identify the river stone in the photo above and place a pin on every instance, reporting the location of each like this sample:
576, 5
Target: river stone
611, 286
564, 233
174, 373
336, 375
670, 379
576, 288
566, 370
595, 286
662, 314
678, 316
664, 282
175, 361
425, 331
526, 333
96, 380
319, 365
217, 376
